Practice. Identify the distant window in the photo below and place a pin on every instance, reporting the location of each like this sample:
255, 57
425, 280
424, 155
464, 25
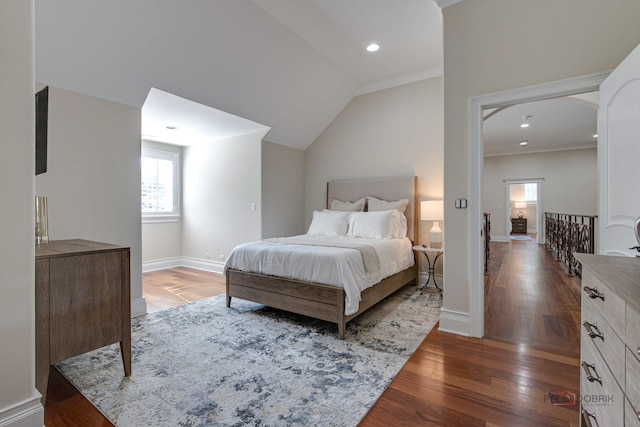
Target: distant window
531, 192
160, 171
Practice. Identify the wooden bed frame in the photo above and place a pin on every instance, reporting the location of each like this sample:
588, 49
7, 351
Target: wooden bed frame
323, 301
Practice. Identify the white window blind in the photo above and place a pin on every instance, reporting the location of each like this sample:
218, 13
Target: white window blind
160, 171
531, 192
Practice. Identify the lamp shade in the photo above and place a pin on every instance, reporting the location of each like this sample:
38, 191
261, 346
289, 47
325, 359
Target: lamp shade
431, 210
521, 205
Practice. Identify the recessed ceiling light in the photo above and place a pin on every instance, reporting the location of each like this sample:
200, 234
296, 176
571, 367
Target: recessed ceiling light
172, 127
524, 125
523, 143
595, 136
373, 47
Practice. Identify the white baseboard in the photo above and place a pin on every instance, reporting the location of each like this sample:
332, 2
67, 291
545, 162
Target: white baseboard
138, 307
161, 264
28, 413
422, 278
212, 266
200, 264
455, 322
502, 239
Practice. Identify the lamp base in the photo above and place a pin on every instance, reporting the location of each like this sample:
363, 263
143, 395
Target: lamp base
435, 236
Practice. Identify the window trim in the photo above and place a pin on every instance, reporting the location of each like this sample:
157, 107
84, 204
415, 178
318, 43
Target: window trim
174, 158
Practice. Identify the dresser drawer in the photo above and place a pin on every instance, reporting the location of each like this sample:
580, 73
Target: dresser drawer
609, 344
608, 303
631, 416
633, 329
633, 379
603, 398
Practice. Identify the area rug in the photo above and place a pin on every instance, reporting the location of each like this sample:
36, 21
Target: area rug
204, 364
519, 237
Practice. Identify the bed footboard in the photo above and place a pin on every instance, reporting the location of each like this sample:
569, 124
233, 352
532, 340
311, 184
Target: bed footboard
309, 299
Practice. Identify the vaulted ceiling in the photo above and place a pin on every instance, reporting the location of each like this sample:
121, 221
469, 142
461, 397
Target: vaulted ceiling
291, 65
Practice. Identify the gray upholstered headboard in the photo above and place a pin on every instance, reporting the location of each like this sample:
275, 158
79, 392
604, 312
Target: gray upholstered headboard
390, 189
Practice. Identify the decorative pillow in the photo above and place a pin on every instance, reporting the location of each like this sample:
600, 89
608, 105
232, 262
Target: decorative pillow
338, 205
328, 223
371, 225
374, 205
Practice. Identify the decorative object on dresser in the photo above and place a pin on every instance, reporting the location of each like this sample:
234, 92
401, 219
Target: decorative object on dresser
518, 225
82, 302
433, 210
42, 220
610, 342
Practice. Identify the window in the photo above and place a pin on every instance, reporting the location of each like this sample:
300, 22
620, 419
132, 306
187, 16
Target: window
531, 192
160, 183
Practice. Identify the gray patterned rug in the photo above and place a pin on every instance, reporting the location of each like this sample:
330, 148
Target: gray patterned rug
204, 364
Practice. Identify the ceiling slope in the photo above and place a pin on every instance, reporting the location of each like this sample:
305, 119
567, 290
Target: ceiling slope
234, 55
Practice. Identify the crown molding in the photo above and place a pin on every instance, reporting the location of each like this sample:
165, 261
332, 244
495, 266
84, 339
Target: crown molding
399, 81
444, 3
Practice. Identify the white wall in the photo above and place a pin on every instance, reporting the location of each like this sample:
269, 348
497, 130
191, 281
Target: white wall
92, 181
393, 132
282, 190
221, 181
496, 45
570, 184
19, 400
162, 241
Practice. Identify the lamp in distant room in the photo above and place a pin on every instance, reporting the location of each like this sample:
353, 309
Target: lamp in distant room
432, 210
521, 205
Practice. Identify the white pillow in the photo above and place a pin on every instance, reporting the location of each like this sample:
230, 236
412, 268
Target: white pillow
383, 205
398, 224
371, 225
328, 223
338, 205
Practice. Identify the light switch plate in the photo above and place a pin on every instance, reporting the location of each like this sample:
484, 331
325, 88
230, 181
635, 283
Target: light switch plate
461, 203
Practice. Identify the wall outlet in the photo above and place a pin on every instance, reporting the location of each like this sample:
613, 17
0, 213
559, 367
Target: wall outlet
207, 255
221, 257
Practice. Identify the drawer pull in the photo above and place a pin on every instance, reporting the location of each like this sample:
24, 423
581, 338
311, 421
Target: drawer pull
587, 370
590, 329
593, 293
586, 417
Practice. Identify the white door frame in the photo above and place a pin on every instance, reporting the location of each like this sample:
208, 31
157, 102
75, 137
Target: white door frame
476, 105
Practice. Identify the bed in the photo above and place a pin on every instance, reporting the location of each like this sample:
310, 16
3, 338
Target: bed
321, 298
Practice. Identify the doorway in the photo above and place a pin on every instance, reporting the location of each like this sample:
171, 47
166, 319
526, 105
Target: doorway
477, 107
524, 198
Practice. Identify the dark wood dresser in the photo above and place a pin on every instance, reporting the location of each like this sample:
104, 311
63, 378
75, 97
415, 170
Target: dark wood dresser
82, 302
519, 225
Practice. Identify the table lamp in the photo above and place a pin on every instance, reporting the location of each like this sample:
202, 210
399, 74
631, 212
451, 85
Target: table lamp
433, 210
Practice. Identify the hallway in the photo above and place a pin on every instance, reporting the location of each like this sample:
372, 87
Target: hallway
530, 299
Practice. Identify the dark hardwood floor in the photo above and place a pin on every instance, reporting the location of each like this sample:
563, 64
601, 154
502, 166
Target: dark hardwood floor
530, 349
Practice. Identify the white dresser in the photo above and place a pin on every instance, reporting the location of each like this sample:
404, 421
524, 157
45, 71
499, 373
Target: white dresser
610, 341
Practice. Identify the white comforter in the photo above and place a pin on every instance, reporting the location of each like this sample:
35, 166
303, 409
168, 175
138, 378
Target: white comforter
306, 259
